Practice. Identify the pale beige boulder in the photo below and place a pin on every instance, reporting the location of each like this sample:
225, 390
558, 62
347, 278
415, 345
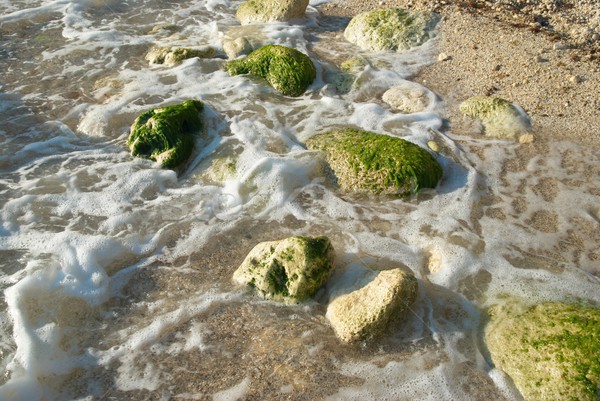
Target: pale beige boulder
364, 313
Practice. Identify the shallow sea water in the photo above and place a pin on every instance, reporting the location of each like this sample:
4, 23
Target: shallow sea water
116, 275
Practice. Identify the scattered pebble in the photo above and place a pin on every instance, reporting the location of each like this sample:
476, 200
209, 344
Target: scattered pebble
433, 146
526, 138
560, 46
444, 57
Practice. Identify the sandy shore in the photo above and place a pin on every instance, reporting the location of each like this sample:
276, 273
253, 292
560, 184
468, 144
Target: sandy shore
546, 58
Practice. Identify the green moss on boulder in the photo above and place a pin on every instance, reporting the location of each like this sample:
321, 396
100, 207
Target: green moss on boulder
500, 118
287, 70
391, 29
364, 314
174, 56
253, 11
290, 270
551, 351
363, 161
165, 134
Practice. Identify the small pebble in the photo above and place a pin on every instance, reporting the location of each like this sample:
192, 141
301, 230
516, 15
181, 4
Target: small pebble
560, 46
444, 57
433, 146
575, 79
526, 138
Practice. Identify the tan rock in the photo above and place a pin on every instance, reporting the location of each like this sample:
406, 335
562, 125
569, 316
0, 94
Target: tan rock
365, 313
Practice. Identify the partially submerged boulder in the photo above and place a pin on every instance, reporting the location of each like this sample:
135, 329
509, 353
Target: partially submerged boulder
287, 70
166, 134
363, 161
173, 56
365, 313
290, 270
392, 29
349, 69
551, 351
407, 98
253, 11
500, 118
237, 47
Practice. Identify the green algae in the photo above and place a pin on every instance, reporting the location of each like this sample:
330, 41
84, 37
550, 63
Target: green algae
390, 29
365, 161
551, 351
287, 70
165, 134
500, 117
291, 270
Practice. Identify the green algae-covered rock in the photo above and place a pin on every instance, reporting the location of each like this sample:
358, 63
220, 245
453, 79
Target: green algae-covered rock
287, 70
500, 118
551, 351
363, 161
168, 56
253, 11
391, 29
364, 314
290, 270
165, 134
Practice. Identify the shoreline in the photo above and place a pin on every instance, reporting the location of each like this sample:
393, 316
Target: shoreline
490, 51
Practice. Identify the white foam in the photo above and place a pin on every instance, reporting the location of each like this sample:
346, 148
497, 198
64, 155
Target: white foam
234, 393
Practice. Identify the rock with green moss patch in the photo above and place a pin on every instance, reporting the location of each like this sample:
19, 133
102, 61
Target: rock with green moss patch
364, 314
551, 351
174, 56
391, 29
363, 161
166, 134
287, 70
500, 118
253, 11
291, 270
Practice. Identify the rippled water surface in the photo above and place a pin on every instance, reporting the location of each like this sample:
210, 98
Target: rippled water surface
116, 275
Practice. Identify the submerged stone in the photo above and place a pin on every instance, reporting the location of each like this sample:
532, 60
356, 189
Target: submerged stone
363, 161
168, 56
165, 134
365, 313
551, 351
237, 47
291, 270
287, 70
407, 98
500, 118
253, 11
391, 29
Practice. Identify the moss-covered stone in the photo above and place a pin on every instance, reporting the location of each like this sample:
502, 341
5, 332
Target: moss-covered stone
165, 134
290, 270
364, 313
391, 29
169, 56
287, 70
253, 11
500, 118
551, 351
363, 161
